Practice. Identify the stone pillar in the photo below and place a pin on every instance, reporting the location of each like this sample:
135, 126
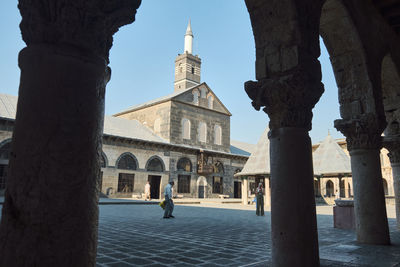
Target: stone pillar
267, 201
364, 142
346, 187
288, 86
245, 191
292, 189
50, 213
393, 145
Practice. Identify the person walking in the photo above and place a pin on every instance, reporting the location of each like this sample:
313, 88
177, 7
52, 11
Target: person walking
147, 191
169, 204
260, 200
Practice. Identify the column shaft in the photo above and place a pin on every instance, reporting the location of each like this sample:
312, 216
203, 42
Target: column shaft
267, 201
369, 201
292, 199
50, 214
245, 191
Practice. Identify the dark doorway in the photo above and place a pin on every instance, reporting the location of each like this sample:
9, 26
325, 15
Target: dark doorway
201, 191
317, 191
154, 181
237, 189
329, 189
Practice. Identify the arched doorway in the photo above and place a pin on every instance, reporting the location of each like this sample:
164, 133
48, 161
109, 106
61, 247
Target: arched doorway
317, 189
385, 187
329, 189
126, 179
184, 168
202, 187
155, 164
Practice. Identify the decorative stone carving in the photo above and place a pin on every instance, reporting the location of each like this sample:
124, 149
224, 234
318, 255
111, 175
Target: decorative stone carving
288, 99
85, 25
392, 143
363, 132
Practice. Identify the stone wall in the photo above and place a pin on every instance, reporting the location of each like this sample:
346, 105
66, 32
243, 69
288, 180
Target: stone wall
148, 115
180, 110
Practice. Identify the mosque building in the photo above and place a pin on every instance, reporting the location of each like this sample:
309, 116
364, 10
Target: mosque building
182, 137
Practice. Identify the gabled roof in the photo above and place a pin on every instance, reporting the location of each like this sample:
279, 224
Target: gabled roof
258, 162
168, 98
8, 106
329, 158
129, 129
246, 148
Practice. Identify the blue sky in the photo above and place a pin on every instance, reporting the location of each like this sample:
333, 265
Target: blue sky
143, 54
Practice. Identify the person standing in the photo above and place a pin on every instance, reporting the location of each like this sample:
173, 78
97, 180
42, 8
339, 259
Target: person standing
147, 191
260, 200
169, 204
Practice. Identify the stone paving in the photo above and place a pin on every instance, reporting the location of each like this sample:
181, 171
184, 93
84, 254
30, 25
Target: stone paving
215, 234
230, 235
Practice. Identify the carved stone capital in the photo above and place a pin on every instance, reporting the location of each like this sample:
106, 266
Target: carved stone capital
287, 99
361, 133
392, 143
85, 25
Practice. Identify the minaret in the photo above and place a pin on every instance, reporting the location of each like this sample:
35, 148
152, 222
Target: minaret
188, 39
187, 66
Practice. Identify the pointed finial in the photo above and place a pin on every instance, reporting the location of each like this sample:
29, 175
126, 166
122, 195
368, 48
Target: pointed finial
189, 29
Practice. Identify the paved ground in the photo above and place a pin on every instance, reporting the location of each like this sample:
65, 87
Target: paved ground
216, 234
230, 235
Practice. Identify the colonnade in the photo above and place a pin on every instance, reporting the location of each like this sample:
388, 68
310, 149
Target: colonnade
61, 104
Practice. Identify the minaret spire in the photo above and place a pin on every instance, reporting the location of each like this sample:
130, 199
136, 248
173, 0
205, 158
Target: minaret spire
188, 39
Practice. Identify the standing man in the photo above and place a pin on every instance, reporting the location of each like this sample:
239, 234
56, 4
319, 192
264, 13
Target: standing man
169, 205
147, 191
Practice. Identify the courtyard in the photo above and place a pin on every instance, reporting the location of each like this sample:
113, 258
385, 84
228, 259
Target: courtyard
216, 234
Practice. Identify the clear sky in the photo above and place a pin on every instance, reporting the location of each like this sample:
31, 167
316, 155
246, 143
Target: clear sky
143, 54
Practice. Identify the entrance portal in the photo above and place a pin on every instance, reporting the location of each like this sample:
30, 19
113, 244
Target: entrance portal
202, 187
154, 181
237, 189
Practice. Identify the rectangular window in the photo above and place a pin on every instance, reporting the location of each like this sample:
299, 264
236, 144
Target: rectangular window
183, 183
125, 182
217, 185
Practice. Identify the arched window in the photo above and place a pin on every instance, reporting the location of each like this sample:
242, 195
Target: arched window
217, 135
103, 160
155, 165
195, 97
184, 164
203, 92
202, 132
210, 100
5, 151
180, 68
157, 126
126, 162
185, 128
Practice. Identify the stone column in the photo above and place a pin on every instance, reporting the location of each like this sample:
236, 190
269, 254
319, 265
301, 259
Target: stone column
346, 187
245, 191
363, 138
50, 214
267, 201
393, 145
288, 103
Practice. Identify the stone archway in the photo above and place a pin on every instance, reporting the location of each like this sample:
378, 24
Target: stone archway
202, 187
329, 189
